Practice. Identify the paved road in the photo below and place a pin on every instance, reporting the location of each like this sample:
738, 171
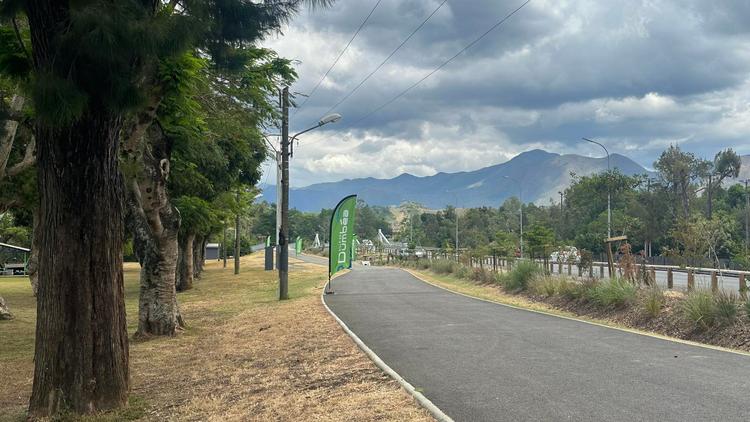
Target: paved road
479, 361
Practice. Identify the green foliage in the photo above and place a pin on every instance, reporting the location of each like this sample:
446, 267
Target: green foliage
653, 301
443, 266
613, 293
519, 277
545, 285
698, 307
726, 307
198, 216
747, 308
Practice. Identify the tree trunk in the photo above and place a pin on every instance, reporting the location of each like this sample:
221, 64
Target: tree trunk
154, 223
199, 247
33, 266
81, 356
4, 311
185, 262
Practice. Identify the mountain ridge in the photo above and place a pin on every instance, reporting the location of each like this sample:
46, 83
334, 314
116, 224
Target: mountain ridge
542, 174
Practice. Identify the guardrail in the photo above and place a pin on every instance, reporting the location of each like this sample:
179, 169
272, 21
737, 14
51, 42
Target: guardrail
497, 263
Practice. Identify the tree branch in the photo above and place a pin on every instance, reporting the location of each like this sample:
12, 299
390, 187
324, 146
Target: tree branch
29, 159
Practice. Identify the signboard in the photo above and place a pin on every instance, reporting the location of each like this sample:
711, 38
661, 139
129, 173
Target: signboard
342, 234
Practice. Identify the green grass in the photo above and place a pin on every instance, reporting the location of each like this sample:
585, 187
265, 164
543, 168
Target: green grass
545, 285
726, 307
614, 293
519, 277
653, 301
698, 307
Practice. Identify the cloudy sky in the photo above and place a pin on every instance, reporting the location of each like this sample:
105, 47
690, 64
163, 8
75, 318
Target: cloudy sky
637, 75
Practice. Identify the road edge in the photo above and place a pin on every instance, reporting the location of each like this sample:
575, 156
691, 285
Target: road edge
419, 397
416, 275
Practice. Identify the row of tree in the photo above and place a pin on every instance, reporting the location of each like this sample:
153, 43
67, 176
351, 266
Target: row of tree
133, 122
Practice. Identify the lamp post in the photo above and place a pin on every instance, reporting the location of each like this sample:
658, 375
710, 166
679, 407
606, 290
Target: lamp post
520, 209
609, 195
286, 153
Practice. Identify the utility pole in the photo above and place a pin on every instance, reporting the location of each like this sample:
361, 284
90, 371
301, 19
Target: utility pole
284, 229
237, 238
609, 193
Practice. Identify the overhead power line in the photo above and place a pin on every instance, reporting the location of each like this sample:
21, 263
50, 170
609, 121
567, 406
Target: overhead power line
471, 44
362, 25
386, 59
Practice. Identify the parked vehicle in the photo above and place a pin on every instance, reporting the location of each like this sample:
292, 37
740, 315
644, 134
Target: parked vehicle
566, 254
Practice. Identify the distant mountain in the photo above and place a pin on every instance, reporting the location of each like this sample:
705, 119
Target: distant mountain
541, 174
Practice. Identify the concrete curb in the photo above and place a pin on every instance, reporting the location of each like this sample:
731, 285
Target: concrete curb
419, 397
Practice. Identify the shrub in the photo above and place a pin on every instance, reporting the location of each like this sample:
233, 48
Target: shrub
725, 307
443, 266
482, 275
462, 271
653, 301
698, 307
747, 309
544, 285
574, 290
614, 293
518, 279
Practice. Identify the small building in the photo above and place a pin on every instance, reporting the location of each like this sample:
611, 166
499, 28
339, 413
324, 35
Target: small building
213, 251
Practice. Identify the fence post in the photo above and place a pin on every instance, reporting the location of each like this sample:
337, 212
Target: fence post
714, 282
690, 280
601, 270
743, 286
652, 282
580, 271
569, 269
670, 278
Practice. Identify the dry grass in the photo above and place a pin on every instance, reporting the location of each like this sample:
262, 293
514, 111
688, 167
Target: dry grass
244, 356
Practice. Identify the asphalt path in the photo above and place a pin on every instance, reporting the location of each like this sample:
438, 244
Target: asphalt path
480, 361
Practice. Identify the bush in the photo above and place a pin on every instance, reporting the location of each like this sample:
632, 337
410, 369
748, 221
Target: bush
574, 290
614, 293
653, 301
698, 308
443, 266
544, 286
725, 307
462, 271
518, 279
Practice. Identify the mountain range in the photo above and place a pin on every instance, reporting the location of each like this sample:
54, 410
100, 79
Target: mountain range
539, 174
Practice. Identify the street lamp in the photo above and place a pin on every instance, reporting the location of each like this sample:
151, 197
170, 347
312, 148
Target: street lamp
520, 208
286, 153
609, 195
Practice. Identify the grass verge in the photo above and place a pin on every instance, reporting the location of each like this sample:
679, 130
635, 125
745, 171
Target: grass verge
244, 356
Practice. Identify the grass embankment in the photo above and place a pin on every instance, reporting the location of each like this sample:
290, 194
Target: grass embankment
244, 355
715, 319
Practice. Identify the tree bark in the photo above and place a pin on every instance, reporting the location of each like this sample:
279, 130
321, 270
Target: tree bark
185, 262
4, 311
33, 266
81, 356
199, 247
154, 223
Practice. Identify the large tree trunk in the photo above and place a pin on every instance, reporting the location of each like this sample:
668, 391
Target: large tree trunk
185, 262
154, 223
81, 356
33, 266
4, 311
